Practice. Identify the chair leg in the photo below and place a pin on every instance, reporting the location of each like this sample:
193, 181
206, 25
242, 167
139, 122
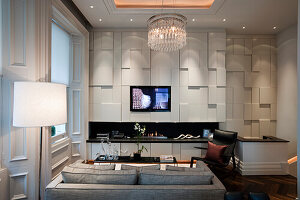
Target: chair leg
192, 162
233, 163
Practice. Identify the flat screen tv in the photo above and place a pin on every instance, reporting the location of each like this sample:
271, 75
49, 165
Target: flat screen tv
150, 98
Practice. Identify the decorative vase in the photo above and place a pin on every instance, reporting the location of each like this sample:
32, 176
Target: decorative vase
53, 131
136, 156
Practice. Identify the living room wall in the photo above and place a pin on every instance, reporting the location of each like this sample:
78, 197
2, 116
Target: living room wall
196, 73
251, 99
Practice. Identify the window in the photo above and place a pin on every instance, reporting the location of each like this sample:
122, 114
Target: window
60, 63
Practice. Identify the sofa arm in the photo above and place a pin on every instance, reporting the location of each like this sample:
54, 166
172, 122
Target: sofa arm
55, 182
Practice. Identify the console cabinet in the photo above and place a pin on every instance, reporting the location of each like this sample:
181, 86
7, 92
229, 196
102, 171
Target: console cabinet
182, 151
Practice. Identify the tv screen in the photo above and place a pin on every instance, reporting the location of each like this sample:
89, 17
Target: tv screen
150, 98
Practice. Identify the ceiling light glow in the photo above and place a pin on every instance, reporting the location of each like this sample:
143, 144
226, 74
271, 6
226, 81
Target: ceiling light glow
244, 27
131, 20
91, 6
224, 20
100, 20
193, 20
274, 27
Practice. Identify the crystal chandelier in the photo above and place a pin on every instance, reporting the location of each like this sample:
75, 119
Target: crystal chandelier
166, 32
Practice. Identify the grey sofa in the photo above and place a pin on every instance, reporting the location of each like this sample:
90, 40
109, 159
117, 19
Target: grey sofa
57, 190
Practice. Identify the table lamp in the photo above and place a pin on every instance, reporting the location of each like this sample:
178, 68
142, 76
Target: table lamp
39, 104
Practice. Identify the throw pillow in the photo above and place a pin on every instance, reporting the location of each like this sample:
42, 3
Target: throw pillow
159, 177
215, 152
88, 166
184, 169
139, 168
92, 176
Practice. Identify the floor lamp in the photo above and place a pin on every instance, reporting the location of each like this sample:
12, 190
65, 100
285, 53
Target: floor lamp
39, 104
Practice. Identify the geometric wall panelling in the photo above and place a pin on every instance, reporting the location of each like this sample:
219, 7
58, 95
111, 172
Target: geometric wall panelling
212, 77
221, 112
216, 49
212, 112
221, 77
247, 111
75, 148
18, 144
248, 46
198, 93
229, 111
198, 76
18, 32
261, 46
235, 79
76, 59
238, 63
106, 112
19, 186
103, 67
264, 126
212, 95
76, 112
251, 85
136, 77
221, 95
255, 129
238, 111
238, 46
165, 68
184, 77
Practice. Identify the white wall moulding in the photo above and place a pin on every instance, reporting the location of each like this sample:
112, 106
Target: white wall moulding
251, 85
19, 186
76, 114
18, 144
18, 24
77, 59
194, 84
76, 148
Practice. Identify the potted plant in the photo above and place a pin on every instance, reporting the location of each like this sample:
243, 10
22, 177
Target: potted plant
140, 131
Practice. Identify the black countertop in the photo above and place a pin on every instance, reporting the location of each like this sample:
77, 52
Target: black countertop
172, 140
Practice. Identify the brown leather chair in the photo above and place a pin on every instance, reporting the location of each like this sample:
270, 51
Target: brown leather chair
221, 137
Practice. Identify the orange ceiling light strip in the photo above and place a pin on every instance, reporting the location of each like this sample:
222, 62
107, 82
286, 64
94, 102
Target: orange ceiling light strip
292, 160
157, 4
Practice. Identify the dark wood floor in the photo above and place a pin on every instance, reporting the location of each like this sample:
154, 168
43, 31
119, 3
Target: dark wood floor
277, 187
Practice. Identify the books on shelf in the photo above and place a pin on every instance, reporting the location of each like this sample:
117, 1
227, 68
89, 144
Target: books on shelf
166, 158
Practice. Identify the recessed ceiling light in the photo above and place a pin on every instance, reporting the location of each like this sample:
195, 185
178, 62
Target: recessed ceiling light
131, 20
224, 20
244, 27
100, 20
193, 20
91, 6
274, 27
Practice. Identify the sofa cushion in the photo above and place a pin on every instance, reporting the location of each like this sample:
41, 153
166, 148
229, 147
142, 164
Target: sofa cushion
159, 177
94, 176
184, 169
215, 152
88, 166
139, 168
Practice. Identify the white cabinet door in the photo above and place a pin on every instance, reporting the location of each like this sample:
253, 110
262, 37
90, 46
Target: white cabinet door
128, 149
102, 150
188, 151
158, 149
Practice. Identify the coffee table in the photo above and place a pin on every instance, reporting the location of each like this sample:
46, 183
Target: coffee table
143, 160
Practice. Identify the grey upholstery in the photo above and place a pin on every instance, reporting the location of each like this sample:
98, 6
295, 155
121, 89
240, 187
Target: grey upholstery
87, 166
128, 167
184, 169
57, 190
159, 177
93, 176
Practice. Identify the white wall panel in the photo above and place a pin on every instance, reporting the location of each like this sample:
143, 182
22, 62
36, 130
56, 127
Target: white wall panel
18, 32
125, 59
19, 186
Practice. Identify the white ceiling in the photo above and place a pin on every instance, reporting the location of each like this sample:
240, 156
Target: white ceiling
258, 16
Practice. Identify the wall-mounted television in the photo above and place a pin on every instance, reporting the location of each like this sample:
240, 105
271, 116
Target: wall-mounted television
150, 98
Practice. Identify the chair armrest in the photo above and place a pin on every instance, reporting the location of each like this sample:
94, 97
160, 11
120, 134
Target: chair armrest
201, 148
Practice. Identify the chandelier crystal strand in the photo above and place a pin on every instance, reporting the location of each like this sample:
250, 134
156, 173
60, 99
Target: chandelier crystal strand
166, 32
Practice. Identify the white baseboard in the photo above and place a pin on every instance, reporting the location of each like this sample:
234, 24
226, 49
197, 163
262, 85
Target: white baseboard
262, 168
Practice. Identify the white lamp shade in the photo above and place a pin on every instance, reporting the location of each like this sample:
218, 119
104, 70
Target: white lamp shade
38, 104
